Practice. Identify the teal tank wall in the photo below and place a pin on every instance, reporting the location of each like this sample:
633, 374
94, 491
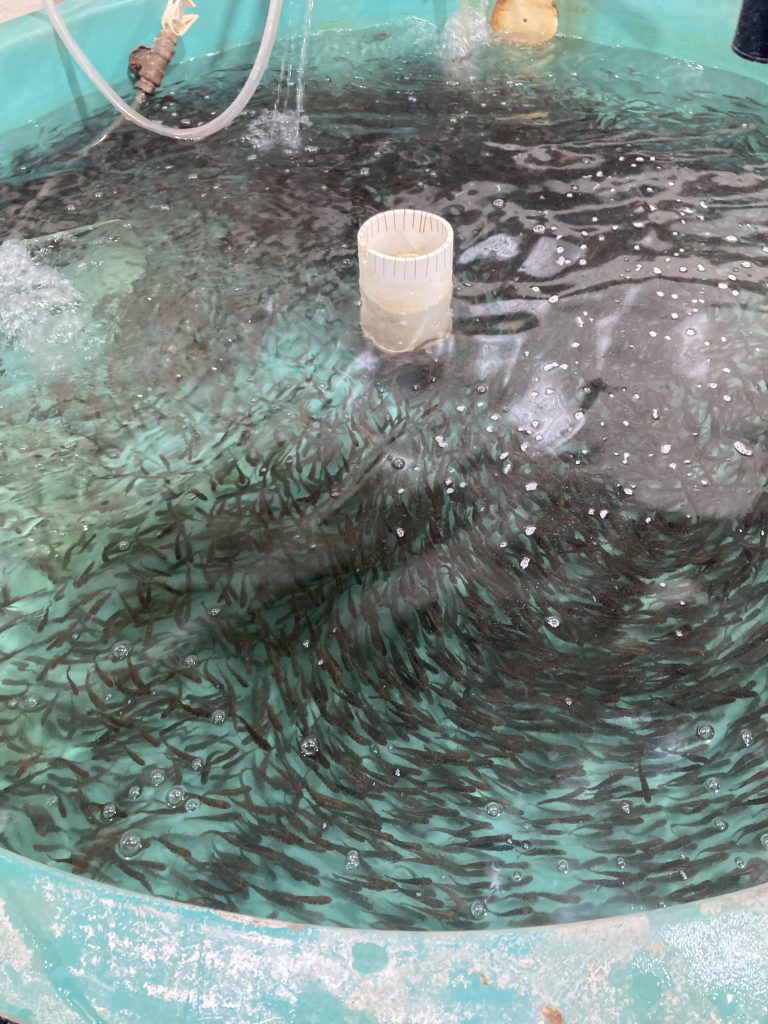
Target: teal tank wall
75, 952
700, 31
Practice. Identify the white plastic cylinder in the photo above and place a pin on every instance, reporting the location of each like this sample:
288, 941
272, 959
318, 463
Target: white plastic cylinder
406, 279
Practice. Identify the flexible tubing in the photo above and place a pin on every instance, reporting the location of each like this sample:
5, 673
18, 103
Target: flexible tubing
203, 131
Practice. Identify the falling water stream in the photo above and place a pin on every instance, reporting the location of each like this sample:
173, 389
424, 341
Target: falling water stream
282, 124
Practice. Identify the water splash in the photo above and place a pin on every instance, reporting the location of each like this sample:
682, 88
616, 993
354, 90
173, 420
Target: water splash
38, 305
282, 126
466, 31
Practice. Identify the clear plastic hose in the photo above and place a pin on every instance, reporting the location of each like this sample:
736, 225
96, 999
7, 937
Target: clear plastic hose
226, 117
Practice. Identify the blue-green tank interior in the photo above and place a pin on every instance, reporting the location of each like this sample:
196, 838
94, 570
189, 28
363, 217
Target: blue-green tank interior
325, 673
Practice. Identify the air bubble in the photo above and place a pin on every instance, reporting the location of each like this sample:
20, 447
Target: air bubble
190, 661
562, 867
705, 731
192, 804
492, 809
218, 717
720, 824
352, 861
156, 776
747, 738
309, 746
30, 702
553, 622
398, 463
712, 785
109, 812
620, 863
478, 910
129, 845
175, 796
120, 650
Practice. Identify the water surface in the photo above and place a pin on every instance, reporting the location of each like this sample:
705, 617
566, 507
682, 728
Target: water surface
471, 638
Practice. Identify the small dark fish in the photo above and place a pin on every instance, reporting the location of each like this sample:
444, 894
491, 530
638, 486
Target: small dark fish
286, 899
257, 738
644, 787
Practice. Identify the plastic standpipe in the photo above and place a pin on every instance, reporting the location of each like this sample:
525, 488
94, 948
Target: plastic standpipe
406, 279
222, 120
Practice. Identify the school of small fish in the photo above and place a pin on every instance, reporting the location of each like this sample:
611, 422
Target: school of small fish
469, 639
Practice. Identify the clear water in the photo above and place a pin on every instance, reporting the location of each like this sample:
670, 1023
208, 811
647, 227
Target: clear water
474, 638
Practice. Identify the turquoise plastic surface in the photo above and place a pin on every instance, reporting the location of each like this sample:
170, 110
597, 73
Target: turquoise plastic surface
700, 31
73, 951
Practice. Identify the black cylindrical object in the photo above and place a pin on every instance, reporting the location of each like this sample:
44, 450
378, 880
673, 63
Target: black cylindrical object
751, 40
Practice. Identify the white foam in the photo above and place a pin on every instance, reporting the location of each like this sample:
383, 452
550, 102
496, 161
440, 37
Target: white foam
274, 128
465, 32
38, 305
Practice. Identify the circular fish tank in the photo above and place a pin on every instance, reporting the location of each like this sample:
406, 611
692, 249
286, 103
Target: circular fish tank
344, 685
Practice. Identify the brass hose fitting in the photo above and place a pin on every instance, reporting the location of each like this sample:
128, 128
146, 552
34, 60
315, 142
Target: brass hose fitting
149, 64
